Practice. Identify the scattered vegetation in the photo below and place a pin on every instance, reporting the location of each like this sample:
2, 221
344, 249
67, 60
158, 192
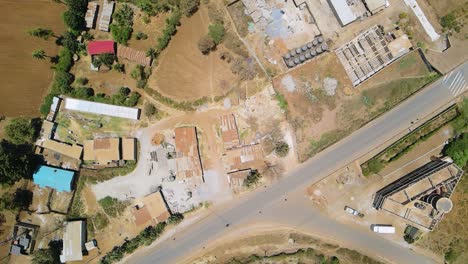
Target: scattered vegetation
43, 33
308, 255
281, 148
145, 238
408, 142
325, 141
150, 110
50, 255
141, 74
175, 218
171, 27
457, 149
140, 35
112, 206
121, 27
252, 179
455, 20
106, 59
16, 162
206, 44
216, 31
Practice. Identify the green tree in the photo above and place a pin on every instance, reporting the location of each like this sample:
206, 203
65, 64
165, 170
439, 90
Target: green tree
206, 44
39, 54
252, 179
16, 162
20, 131
69, 41
216, 32
175, 218
119, 67
374, 166
151, 53
73, 20
43, 33
460, 124
49, 255
457, 149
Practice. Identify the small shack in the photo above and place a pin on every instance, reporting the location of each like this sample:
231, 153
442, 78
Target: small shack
91, 13
133, 55
151, 208
55, 178
106, 15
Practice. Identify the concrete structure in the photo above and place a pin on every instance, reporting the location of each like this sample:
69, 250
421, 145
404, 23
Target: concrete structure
133, 55
58, 179
106, 15
376, 6
129, 148
422, 196
370, 52
72, 151
102, 109
91, 13
102, 150
305, 52
151, 210
229, 131
342, 11
189, 166
413, 4
74, 238
47, 130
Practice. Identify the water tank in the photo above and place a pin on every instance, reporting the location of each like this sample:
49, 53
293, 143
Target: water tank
304, 48
324, 47
302, 57
307, 55
291, 63
296, 60
313, 52
318, 50
310, 45
315, 42
292, 53
287, 56
439, 202
320, 39
298, 50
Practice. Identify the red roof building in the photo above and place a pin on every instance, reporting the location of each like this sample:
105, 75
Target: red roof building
100, 47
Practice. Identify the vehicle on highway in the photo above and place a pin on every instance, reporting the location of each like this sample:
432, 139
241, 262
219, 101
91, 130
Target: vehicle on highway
383, 229
353, 211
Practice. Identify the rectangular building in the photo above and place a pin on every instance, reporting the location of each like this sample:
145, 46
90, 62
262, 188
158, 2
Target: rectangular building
90, 16
72, 151
151, 208
102, 109
243, 158
74, 238
376, 6
342, 11
58, 179
102, 150
129, 148
133, 55
188, 156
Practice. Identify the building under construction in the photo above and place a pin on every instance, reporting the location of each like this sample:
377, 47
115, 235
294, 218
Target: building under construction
423, 195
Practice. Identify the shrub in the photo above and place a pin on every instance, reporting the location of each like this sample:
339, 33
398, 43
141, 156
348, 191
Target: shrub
252, 179
189, 7
282, 149
81, 80
374, 166
216, 31
175, 218
140, 35
149, 109
121, 27
119, 67
65, 60
206, 44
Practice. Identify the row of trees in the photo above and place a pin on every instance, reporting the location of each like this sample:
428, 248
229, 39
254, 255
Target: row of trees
122, 25
214, 37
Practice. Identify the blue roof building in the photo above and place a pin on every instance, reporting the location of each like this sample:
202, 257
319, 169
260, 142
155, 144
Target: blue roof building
58, 179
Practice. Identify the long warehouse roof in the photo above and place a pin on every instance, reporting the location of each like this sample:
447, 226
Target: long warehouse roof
102, 109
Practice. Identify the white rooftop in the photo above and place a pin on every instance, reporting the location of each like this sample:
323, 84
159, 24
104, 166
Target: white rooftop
343, 11
73, 241
102, 109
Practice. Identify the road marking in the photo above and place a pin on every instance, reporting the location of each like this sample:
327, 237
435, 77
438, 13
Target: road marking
456, 83
448, 76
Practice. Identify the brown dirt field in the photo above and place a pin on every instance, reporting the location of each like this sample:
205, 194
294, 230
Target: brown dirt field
157, 139
188, 74
25, 79
444, 7
153, 29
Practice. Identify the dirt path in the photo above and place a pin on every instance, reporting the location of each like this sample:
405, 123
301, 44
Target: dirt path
250, 49
169, 110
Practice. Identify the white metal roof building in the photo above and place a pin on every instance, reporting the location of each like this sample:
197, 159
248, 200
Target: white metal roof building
102, 109
73, 241
343, 12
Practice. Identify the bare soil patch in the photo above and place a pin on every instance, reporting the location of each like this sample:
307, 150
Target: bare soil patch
319, 119
153, 29
24, 79
183, 72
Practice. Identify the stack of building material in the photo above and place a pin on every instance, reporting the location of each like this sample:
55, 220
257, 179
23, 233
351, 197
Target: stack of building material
133, 55
106, 15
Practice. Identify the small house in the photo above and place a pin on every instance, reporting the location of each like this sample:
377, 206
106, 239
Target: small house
74, 238
58, 179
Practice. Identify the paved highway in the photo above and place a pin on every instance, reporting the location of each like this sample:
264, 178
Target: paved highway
284, 202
